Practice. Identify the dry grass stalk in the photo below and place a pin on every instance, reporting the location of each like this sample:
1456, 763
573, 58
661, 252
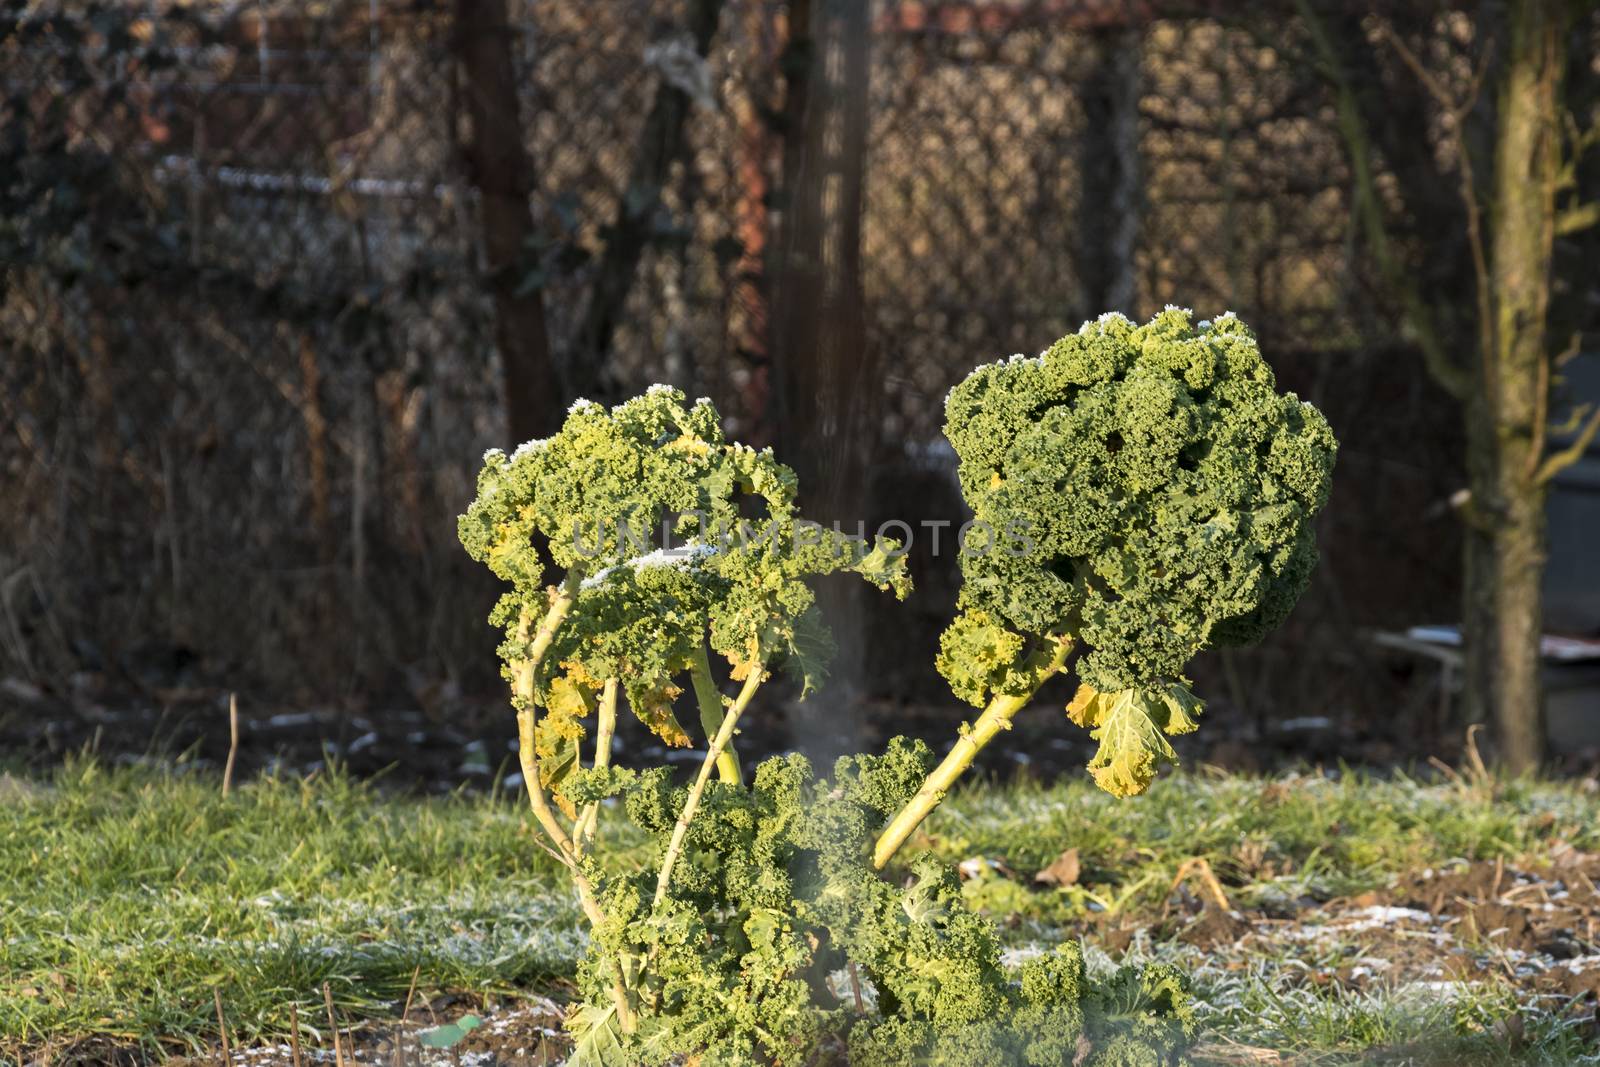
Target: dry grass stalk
294, 1033
233, 743
333, 1025
405, 1012
222, 1026
1212, 889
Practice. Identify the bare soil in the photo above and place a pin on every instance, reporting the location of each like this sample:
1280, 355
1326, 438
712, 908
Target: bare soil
523, 1033
1534, 925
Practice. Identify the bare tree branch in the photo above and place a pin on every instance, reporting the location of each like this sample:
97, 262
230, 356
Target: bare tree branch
1391, 118
1557, 462
1456, 111
1368, 208
1575, 219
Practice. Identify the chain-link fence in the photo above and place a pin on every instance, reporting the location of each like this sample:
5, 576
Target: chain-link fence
251, 348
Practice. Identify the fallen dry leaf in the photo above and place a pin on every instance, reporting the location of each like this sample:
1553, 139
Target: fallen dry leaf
1064, 870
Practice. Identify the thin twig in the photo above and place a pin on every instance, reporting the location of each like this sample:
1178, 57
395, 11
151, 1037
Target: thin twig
1456, 108
1448, 771
233, 743
1367, 206
416, 972
1476, 770
294, 1033
399, 1037
327, 998
1208, 881
550, 850
1568, 354
1574, 219
222, 1026
1560, 461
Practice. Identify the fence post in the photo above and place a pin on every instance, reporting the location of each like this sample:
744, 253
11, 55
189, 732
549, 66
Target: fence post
827, 394
499, 167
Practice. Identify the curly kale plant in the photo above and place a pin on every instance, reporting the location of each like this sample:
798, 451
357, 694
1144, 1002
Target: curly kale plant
627, 616
777, 932
1156, 494
1162, 490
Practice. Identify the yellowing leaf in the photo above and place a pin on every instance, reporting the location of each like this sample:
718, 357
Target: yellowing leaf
1183, 709
507, 542
740, 669
1084, 706
569, 698
689, 445
580, 674
652, 703
1131, 746
1130, 726
558, 758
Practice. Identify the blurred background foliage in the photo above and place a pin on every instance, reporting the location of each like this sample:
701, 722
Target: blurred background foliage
275, 274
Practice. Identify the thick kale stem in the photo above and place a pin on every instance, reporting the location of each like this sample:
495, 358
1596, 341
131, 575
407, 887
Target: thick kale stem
565, 849
554, 617
1041, 665
524, 673
711, 712
692, 805
589, 821
522, 692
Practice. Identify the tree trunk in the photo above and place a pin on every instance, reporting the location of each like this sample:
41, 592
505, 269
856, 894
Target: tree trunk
1519, 614
1516, 371
1505, 391
499, 166
1479, 565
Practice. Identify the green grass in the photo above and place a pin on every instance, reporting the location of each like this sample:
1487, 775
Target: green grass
1328, 1025
127, 895
1336, 835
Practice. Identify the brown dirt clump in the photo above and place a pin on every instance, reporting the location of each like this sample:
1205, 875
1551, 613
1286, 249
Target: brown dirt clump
1214, 927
